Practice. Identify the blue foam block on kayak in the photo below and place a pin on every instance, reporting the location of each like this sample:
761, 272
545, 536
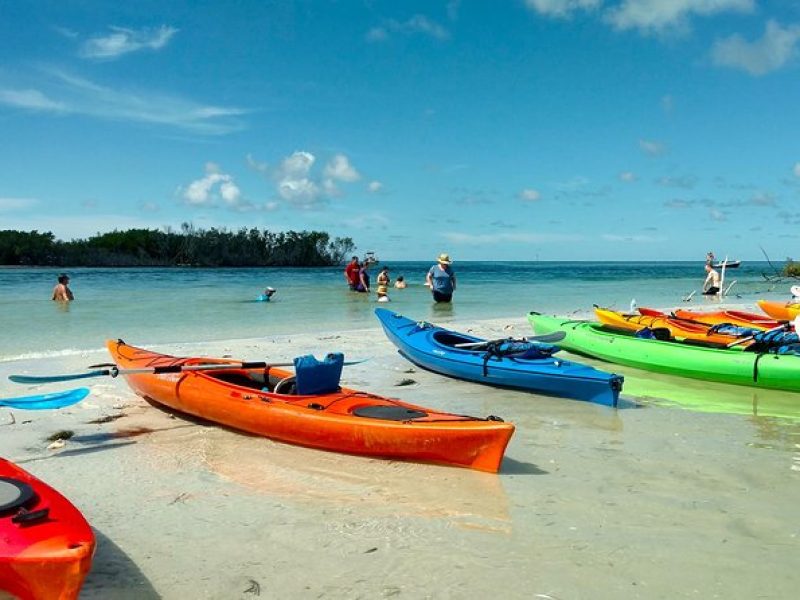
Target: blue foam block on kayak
318, 377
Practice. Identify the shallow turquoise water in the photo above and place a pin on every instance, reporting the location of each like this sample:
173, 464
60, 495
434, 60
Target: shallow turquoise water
146, 306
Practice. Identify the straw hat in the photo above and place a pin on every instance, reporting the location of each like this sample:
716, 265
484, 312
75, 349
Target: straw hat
444, 259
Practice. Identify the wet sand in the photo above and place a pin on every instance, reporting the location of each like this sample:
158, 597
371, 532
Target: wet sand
657, 499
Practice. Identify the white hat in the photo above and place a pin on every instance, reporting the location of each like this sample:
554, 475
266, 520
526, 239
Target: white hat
795, 289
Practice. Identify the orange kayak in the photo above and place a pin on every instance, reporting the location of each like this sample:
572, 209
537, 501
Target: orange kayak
343, 421
780, 310
46, 545
680, 330
734, 317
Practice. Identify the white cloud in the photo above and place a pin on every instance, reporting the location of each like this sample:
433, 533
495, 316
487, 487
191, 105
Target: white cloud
30, 99
530, 195
492, 239
658, 15
230, 192
796, 169
294, 182
717, 215
667, 104
373, 187
644, 15
68, 94
201, 191
561, 8
339, 168
124, 41
652, 147
299, 184
759, 57
627, 176
418, 24
12, 204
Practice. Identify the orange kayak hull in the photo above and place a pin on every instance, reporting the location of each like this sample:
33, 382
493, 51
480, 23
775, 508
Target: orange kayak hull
680, 330
326, 421
734, 317
780, 310
45, 559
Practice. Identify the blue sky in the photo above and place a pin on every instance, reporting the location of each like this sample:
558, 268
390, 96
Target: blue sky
519, 129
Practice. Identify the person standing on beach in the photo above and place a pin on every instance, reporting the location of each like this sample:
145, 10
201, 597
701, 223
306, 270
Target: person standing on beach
351, 273
441, 279
61, 292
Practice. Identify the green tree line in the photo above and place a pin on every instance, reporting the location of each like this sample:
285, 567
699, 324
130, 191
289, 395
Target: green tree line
187, 247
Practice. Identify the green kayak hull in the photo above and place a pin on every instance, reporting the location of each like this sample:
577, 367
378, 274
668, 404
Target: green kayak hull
779, 372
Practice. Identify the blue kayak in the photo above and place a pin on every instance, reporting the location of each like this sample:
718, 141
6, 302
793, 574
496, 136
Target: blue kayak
504, 363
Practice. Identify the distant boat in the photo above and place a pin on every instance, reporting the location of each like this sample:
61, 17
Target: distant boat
731, 264
370, 258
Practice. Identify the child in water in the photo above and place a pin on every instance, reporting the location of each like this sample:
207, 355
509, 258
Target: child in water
383, 285
268, 293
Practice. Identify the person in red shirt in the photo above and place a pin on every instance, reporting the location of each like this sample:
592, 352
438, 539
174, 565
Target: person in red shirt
351, 273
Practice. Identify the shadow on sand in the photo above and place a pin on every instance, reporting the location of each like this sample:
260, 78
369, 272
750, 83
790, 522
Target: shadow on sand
115, 575
76, 451
517, 467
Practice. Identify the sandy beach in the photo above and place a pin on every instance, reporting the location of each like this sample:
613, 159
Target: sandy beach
645, 501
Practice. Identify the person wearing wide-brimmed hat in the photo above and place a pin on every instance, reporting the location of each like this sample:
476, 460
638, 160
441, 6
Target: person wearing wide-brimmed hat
441, 279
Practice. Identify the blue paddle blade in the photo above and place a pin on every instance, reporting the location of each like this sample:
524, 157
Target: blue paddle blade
55, 378
46, 401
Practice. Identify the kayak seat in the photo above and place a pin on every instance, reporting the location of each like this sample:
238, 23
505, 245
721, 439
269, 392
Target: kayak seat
14, 494
314, 377
287, 386
388, 412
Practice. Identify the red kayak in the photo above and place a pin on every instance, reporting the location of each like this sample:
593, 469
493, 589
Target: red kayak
717, 317
46, 545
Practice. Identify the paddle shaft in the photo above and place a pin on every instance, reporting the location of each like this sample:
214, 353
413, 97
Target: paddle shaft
555, 336
177, 368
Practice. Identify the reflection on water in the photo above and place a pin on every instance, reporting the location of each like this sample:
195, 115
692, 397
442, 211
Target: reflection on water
379, 488
705, 396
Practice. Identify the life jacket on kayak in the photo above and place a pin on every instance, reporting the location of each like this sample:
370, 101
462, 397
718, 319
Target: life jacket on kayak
516, 349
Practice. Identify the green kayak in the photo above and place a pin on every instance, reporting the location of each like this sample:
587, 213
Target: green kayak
780, 372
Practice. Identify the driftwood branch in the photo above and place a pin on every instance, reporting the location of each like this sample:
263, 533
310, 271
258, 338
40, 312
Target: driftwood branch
778, 274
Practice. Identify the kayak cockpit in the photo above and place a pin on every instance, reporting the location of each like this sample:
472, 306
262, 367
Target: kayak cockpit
451, 339
259, 380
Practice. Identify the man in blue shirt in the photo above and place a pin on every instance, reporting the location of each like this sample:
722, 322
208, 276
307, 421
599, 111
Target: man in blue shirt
441, 279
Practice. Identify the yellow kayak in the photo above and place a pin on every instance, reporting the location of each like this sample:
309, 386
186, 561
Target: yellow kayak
782, 311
